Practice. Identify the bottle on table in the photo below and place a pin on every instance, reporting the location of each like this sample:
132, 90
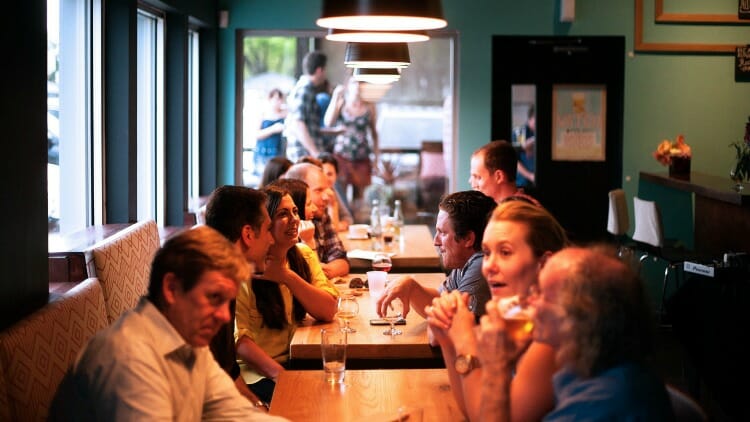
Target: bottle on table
376, 228
398, 219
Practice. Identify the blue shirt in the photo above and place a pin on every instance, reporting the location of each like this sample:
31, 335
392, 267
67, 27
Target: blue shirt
628, 392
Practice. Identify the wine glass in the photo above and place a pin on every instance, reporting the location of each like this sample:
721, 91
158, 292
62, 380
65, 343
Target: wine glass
348, 308
394, 312
382, 262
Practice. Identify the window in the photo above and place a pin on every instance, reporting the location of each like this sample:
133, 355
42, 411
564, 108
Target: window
150, 117
73, 99
193, 119
417, 108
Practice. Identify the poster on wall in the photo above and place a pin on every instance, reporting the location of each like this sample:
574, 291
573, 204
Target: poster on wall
579, 122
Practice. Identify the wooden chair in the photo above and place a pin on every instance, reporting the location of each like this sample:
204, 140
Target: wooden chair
123, 264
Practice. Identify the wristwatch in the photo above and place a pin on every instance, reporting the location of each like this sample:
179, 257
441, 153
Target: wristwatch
465, 363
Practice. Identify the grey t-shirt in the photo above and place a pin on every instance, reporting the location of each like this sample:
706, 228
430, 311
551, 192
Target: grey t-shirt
469, 279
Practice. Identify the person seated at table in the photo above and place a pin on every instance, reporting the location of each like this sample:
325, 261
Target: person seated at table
517, 242
459, 229
339, 209
273, 303
593, 310
493, 172
153, 363
240, 214
303, 200
329, 247
275, 168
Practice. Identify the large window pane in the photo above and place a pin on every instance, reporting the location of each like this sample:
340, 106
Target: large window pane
193, 119
69, 113
150, 145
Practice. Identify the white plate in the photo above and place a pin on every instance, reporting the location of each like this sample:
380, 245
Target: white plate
350, 237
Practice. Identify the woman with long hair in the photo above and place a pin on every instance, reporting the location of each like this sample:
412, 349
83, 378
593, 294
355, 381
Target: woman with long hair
271, 305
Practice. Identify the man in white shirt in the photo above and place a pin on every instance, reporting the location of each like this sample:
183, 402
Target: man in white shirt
154, 361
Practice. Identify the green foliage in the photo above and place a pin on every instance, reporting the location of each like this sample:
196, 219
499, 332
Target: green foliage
269, 54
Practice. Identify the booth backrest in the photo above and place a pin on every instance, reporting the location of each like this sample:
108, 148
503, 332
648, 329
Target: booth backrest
122, 263
36, 352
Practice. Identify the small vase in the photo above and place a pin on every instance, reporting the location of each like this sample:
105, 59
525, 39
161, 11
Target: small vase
738, 178
679, 168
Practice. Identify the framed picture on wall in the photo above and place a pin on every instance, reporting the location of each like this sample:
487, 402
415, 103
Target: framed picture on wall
579, 122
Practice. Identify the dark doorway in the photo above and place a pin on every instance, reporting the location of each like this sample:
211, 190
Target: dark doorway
569, 79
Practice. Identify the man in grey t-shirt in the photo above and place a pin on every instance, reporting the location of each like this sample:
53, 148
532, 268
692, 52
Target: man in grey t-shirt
458, 235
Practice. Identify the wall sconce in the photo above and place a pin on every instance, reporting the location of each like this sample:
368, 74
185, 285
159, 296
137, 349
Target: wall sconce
347, 35
377, 55
382, 15
378, 76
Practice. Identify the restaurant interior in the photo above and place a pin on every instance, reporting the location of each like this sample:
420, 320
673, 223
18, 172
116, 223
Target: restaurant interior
650, 70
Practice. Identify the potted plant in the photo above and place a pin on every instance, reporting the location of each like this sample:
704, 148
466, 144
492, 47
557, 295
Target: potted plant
677, 155
741, 170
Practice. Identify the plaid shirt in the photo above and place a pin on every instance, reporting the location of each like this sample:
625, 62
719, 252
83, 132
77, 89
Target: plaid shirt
302, 106
329, 246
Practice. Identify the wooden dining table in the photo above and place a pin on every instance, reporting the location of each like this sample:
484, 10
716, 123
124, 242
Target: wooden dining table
365, 395
368, 347
413, 251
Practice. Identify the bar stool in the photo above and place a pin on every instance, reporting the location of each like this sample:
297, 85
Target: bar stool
649, 237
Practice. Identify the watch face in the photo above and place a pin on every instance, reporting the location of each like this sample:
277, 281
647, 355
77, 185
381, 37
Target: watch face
462, 364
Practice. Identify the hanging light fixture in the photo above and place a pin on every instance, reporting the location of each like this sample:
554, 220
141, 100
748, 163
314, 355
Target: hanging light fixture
348, 35
378, 76
377, 55
382, 15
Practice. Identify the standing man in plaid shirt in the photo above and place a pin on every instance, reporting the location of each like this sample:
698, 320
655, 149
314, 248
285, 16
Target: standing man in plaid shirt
304, 133
327, 243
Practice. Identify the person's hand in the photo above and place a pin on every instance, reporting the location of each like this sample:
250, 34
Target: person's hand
307, 233
399, 288
440, 315
338, 92
276, 270
342, 226
461, 331
496, 348
277, 127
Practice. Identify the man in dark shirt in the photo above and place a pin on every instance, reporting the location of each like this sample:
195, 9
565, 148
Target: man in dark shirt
240, 214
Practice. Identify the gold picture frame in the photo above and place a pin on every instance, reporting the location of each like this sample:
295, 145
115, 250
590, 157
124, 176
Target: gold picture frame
690, 18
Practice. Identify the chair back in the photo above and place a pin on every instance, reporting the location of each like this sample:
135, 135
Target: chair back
618, 220
36, 352
123, 265
684, 407
648, 228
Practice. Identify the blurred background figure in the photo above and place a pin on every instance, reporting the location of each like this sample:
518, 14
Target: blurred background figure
359, 139
275, 168
341, 216
525, 144
270, 140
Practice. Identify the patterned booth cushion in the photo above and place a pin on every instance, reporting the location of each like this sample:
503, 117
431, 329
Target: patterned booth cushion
37, 351
123, 263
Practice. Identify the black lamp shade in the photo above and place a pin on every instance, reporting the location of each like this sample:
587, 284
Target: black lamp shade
376, 76
382, 15
377, 55
348, 35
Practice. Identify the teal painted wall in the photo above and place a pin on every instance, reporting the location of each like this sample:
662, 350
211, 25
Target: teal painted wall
665, 94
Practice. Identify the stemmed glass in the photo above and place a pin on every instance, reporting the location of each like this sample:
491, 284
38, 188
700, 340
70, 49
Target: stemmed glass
382, 262
394, 312
348, 308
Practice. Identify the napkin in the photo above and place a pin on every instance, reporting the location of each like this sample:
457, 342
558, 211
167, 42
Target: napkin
365, 254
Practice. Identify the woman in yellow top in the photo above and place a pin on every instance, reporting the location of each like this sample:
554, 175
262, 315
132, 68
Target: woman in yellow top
272, 304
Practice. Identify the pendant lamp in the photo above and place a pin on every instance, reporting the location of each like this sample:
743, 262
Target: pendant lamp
382, 15
377, 55
378, 76
348, 35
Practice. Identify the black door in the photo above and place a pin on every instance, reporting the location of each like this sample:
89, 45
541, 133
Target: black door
573, 189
